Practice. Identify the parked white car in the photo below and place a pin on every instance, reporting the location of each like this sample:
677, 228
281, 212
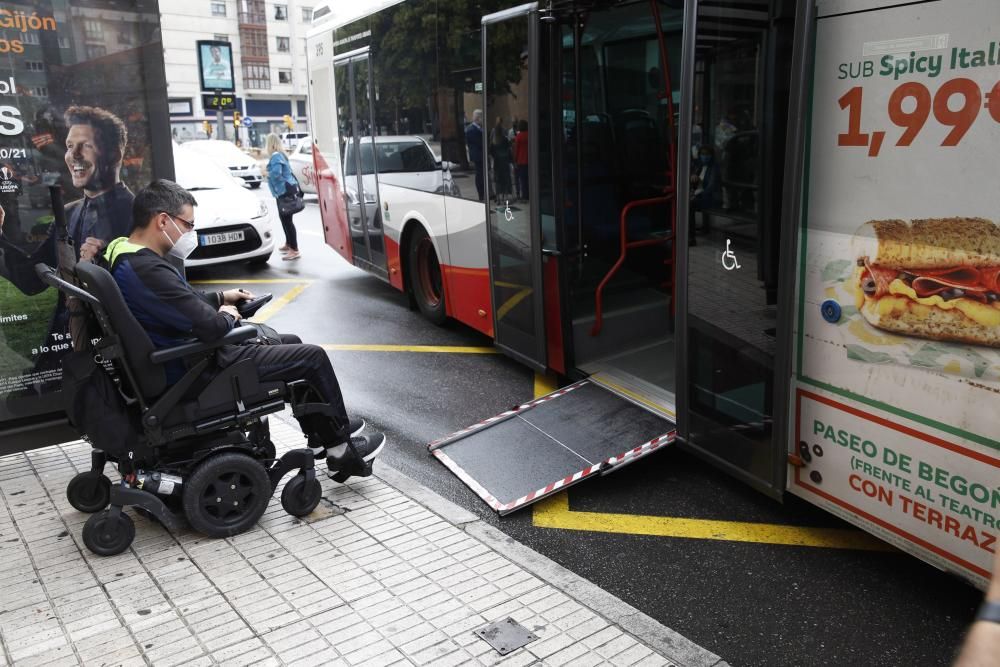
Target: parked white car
291, 139
228, 156
301, 160
232, 223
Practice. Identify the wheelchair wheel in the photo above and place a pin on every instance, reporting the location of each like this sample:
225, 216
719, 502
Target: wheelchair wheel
89, 491
299, 498
226, 494
98, 539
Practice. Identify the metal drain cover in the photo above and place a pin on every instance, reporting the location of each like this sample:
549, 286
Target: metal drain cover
506, 635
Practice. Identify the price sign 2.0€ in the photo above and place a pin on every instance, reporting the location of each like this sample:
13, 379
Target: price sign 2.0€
955, 104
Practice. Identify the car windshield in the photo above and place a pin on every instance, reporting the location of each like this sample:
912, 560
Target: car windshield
196, 173
393, 158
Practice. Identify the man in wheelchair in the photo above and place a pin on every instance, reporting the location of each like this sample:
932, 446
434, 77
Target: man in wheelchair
172, 312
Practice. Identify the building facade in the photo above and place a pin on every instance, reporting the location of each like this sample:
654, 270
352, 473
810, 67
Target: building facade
269, 62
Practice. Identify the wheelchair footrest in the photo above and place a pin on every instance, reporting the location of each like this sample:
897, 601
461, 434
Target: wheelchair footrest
124, 495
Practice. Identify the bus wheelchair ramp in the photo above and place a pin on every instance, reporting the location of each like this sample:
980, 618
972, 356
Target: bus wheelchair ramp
532, 451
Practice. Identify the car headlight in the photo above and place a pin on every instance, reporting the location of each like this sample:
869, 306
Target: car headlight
261, 210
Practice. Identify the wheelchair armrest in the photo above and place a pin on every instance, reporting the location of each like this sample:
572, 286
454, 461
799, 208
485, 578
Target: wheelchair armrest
235, 335
49, 276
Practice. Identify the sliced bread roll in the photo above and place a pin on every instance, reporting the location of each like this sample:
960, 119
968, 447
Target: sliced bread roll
935, 243
935, 324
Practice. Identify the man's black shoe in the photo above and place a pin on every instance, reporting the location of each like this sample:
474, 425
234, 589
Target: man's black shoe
355, 458
355, 426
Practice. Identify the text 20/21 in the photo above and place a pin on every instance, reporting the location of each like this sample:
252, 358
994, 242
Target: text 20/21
955, 104
13, 153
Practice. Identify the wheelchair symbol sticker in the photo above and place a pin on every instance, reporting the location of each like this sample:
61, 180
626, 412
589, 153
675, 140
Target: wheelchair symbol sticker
729, 258
508, 214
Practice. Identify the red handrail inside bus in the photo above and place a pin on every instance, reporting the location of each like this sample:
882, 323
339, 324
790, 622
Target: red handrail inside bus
624, 248
670, 190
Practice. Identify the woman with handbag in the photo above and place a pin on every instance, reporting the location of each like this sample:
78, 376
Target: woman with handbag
286, 192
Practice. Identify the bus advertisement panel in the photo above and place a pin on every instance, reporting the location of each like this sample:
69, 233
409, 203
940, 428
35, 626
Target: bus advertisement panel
897, 360
82, 106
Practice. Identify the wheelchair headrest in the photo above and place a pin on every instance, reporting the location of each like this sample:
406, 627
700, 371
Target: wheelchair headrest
117, 319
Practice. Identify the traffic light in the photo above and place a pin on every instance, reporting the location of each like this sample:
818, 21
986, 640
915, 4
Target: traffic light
207, 127
237, 118
289, 122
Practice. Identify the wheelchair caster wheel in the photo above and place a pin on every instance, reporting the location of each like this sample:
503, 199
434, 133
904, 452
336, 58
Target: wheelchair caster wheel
226, 495
104, 538
89, 492
299, 498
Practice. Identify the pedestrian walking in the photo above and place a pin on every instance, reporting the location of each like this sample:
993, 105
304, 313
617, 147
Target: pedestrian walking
283, 184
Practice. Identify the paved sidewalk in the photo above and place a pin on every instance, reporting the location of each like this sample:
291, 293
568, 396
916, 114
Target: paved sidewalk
384, 572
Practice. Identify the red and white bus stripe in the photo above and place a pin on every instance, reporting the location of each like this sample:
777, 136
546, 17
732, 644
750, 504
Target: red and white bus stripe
434, 444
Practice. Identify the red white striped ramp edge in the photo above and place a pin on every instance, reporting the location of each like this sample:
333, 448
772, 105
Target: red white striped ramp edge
435, 444
617, 460
467, 479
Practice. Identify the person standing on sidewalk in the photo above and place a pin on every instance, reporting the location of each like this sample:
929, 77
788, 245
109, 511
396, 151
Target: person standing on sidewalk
281, 181
521, 159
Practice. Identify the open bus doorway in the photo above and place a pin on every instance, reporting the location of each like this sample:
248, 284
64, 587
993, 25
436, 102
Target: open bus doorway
620, 72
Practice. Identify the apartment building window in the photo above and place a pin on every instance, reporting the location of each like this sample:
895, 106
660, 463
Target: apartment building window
284, 76
256, 77
34, 65
93, 30
281, 12
30, 37
218, 9
64, 42
40, 91
220, 38
254, 43
307, 14
96, 51
282, 44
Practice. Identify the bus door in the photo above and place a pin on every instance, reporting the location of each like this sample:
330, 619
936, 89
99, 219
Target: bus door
358, 150
508, 180
735, 115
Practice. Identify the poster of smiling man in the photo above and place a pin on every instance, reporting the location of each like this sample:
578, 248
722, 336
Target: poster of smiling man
80, 115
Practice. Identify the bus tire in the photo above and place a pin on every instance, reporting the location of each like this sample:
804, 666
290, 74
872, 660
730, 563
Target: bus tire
424, 277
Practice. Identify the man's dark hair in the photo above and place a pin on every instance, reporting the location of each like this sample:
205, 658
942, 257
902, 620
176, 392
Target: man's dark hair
110, 130
160, 196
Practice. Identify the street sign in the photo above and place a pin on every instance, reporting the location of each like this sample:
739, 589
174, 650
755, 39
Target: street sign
247, 121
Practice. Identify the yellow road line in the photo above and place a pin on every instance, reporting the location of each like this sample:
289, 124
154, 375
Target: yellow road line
501, 283
545, 384
272, 308
253, 281
554, 512
509, 304
455, 349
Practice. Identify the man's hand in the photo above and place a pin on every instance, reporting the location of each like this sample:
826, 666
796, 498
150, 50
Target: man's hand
90, 249
232, 311
232, 297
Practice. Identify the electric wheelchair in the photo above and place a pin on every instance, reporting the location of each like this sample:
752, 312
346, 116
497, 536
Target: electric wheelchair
195, 450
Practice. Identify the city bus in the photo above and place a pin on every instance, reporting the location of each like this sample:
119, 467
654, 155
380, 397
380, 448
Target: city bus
715, 218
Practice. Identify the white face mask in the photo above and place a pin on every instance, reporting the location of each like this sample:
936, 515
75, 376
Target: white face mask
184, 245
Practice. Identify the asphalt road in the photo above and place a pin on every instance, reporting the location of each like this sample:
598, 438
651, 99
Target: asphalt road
753, 604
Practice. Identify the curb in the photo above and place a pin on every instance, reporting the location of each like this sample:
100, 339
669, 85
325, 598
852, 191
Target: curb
660, 638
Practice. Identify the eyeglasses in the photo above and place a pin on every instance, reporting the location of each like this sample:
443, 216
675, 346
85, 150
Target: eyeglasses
188, 223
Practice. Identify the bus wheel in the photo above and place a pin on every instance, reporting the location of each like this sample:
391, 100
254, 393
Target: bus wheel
425, 277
